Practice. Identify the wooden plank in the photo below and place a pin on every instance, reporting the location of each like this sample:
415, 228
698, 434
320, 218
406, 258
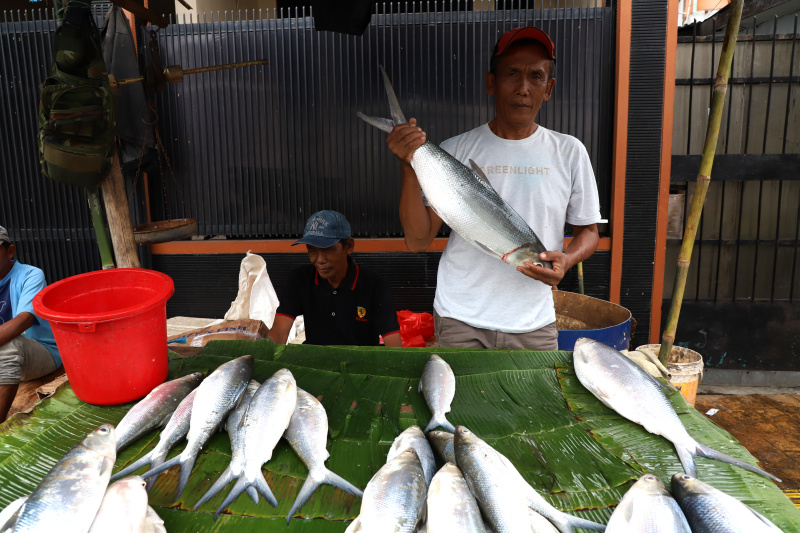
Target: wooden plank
738, 167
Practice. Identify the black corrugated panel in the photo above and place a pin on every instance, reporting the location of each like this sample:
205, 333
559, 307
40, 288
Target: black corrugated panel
256, 150
648, 43
205, 285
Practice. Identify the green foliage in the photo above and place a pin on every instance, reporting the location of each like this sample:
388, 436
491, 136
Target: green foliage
529, 405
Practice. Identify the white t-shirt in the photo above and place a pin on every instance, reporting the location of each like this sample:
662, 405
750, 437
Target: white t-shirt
548, 179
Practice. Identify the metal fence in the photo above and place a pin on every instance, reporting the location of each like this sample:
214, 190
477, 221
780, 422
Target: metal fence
748, 242
252, 151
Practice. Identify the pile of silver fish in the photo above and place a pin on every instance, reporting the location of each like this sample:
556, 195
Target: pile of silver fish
476, 490
465, 200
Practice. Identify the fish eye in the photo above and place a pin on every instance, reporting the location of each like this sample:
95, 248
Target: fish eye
102, 429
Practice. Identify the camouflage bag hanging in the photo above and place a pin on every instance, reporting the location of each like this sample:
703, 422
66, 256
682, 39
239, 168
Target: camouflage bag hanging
76, 108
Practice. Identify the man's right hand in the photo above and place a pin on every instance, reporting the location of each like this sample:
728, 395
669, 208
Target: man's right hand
405, 139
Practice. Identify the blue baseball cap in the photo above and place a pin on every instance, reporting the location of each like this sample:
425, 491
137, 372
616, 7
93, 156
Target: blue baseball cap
324, 229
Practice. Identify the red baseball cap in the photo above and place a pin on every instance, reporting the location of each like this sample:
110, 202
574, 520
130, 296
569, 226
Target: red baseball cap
511, 36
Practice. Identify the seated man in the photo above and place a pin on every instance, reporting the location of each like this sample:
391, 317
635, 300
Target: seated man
341, 303
27, 347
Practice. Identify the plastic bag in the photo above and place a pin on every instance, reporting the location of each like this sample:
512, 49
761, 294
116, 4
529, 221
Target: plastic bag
256, 299
414, 328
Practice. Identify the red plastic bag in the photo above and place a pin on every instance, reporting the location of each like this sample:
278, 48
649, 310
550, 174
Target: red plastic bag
414, 328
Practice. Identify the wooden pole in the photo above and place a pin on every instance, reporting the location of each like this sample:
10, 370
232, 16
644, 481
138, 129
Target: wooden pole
703, 178
119, 216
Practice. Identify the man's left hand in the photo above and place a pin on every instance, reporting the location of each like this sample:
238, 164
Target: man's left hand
545, 275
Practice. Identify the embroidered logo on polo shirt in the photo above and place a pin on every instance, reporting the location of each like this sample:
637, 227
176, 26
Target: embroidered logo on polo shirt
361, 313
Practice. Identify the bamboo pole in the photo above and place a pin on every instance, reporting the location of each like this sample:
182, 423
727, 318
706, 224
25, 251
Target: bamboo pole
106, 260
703, 178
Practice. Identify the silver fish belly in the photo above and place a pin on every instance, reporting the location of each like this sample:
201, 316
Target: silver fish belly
625, 388
307, 434
216, 396
450, 505
68, 497
649, 508
413, 438
124, 507
709, 510
438, 386
464, 199
155, 409
394, 498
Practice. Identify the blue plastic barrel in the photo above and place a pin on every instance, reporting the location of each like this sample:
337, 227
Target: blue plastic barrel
603, 321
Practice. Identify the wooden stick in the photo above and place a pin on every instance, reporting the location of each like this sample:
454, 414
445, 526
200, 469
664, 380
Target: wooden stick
119, 216
703, 178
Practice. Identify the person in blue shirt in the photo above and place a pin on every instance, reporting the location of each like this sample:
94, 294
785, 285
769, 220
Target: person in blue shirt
27, 347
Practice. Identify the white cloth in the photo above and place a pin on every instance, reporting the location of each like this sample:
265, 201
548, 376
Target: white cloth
256, 299
548, 179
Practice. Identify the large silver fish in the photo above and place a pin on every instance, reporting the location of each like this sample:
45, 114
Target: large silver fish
502, 502
216, 396
124, 507
491, 472
174, 431
624, 387
262, 426
709, 510
394, 499
438, 386
648, 507
155, 409
451, 507
442, 442
464, 199
413, 437
236, 435
68, 497
308, 435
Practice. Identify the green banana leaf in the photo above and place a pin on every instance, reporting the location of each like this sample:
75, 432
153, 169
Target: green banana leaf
530, 406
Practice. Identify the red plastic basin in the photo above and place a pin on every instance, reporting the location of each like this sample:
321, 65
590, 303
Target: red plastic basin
111, 330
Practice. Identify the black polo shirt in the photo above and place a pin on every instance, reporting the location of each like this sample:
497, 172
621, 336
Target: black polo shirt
355, 313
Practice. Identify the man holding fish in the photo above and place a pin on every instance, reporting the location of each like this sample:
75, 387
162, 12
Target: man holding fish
544, 176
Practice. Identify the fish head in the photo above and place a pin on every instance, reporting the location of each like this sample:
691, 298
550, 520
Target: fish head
464, 437
102, 440
525, 254
651, 484
685, 486
584, 349
435, 357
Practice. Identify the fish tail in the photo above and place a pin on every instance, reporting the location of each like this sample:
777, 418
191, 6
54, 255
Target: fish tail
154, 471
253, 493
316, 478
263, 488
440, 421
155, 461
710, 453
218, 485
238, 488
394, 105
686, 456
186, 471
383, 124
133, 467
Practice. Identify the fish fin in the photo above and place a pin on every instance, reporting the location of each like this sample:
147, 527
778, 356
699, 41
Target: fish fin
479, 172
486, 249
574, 521
710, 453
253, 493
381, 123
133, 467
312, 482
238, 488
394, 105
218, 485
764, 519
686, 455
